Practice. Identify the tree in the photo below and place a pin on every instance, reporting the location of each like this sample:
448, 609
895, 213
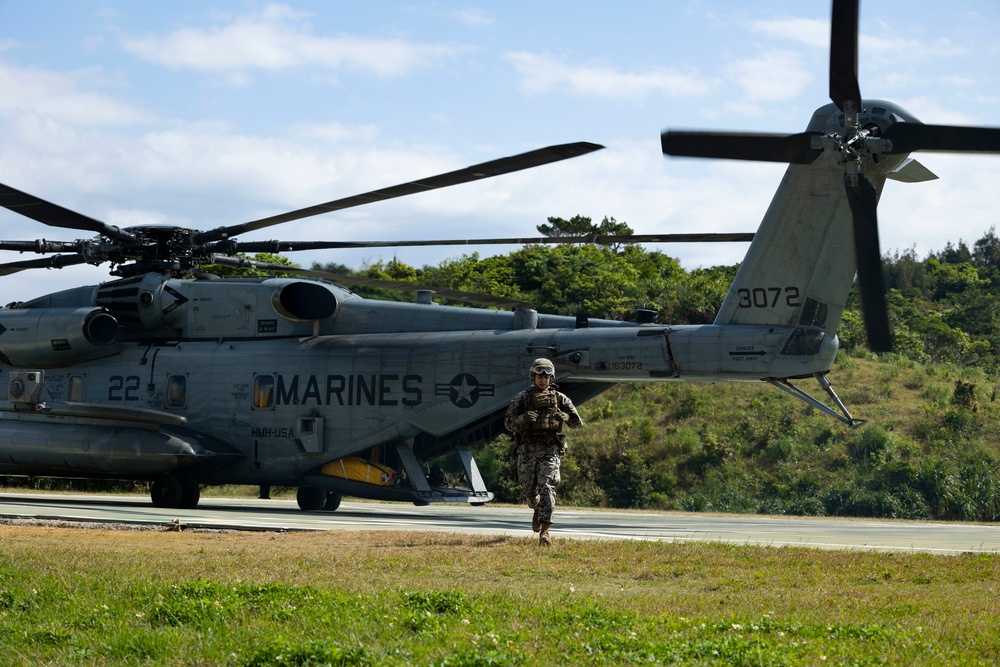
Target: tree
333, 267
986, 257
905, 272
955, 255
578, 225
582, 227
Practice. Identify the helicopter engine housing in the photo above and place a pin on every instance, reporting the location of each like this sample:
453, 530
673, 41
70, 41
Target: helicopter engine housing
302, 301
56, 337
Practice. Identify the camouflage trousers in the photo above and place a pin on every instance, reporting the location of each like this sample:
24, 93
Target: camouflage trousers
538, 473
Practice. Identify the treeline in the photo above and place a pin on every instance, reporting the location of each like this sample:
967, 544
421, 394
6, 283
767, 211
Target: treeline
610, 281
945, 307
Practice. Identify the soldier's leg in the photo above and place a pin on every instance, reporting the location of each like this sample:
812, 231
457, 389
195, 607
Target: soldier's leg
547, 481
527, 475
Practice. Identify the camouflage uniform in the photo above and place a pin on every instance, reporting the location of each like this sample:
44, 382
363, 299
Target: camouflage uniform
540, 444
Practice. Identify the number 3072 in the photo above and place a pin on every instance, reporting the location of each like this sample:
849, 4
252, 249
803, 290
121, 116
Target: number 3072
768, 297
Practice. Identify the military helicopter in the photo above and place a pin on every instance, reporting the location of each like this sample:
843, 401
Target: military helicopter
181, 378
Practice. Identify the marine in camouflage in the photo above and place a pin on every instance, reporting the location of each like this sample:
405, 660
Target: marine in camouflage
536, 417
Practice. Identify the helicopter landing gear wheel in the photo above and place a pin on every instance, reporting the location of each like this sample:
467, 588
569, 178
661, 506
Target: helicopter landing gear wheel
175, 492
310, 498
190, 494
332, 501
166, 492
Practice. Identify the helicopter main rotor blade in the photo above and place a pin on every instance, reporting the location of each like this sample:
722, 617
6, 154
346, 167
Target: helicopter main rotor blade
41, 246
54, 262
909, 137
54, 215
863, 201
455, 295
844, 54
791, 148
477, 172
291, 246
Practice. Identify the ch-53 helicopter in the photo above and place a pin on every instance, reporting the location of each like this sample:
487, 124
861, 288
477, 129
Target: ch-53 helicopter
185, 381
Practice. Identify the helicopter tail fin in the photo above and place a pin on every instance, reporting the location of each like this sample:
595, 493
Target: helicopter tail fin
800, 266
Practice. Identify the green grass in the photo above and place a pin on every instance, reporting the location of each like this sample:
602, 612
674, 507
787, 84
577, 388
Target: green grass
95, 597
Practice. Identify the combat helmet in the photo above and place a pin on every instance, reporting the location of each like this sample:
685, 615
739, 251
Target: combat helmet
542, 367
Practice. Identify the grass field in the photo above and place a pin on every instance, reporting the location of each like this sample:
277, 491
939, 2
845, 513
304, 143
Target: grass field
95, 597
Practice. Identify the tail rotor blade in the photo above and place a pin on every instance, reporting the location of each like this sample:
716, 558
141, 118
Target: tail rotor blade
792, 148
844, 54
871, 284
909, 137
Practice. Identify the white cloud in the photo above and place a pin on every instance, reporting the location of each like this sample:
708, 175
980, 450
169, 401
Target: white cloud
473, 16
278, 38
775, 76
884, 46
811, 32
542, 73
63, 96
335, 133
893, 50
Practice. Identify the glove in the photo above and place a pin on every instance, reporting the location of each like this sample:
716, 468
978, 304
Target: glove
530, 417
561, 417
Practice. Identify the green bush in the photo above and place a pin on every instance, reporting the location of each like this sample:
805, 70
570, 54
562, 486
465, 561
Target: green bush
626, 484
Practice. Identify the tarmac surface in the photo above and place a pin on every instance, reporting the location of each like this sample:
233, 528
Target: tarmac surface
284, 515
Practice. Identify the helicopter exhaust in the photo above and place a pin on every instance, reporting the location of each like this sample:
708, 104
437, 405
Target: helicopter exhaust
56, 337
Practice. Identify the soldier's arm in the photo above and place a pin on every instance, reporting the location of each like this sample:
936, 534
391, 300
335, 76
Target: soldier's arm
514, 420
566, 405
510, 419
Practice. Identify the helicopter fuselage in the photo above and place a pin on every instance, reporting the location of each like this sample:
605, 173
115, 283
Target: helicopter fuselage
263, 395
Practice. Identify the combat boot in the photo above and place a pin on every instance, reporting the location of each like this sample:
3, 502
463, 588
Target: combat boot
535, 525
544, 539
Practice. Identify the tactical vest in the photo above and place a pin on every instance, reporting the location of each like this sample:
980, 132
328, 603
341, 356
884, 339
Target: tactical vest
546, 404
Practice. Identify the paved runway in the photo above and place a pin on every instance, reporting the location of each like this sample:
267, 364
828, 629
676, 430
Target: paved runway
254, 514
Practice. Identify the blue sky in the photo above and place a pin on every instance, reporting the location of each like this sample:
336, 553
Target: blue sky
215, 112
